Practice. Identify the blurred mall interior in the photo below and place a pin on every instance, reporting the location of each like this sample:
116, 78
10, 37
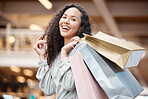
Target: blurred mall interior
22, 21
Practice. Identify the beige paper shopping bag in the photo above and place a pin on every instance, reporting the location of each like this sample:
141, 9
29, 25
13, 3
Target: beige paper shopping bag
125, 54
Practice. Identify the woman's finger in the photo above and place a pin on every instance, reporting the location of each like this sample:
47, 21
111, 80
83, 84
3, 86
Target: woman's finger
74, 43
42, 41
76, 38
40, 37
39, 43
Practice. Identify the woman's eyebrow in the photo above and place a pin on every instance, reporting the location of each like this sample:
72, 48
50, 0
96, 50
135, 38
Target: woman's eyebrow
74, 16
65, 14
71, 16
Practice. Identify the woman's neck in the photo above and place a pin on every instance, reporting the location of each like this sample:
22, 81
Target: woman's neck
67, 40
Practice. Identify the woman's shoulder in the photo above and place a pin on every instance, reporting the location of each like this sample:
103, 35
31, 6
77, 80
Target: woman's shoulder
76, 49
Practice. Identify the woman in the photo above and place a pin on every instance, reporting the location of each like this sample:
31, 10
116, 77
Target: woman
63, 33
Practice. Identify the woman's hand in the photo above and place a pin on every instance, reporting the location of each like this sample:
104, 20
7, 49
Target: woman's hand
66, 49
40, 48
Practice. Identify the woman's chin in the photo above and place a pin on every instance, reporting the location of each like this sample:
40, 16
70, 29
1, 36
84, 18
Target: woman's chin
64, 34
67, 36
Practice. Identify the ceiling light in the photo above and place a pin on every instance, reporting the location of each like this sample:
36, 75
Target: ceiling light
15, 69
20, 79
46, 3
35, 27
28, 72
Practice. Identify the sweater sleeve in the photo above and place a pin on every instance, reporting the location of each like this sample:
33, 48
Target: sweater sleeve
46, 83
65, 75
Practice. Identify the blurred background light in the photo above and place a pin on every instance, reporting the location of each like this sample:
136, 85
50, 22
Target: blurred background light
35, 27
28, 72
15, 69
31, 83
11, 39
20, 79
46, 3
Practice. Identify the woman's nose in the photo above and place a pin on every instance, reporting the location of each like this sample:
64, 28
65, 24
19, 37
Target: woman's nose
66, 21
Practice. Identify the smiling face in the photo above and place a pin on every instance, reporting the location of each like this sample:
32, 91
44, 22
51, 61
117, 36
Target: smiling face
70, 23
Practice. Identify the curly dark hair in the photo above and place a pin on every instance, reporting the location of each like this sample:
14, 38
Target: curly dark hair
54, 39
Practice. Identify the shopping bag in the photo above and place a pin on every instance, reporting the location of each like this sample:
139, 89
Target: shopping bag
125, 54
116, 82
86, 85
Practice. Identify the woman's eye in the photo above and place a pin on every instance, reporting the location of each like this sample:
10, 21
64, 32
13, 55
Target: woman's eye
73, 19
64, 17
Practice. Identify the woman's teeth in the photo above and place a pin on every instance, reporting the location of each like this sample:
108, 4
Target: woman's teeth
65, 27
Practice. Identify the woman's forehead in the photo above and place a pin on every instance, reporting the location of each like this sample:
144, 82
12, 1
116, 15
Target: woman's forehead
73, 12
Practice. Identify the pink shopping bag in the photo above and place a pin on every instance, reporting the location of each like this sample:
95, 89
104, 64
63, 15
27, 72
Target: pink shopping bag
86, 85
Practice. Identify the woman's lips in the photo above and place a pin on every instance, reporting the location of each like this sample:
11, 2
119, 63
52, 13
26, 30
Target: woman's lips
65, 28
